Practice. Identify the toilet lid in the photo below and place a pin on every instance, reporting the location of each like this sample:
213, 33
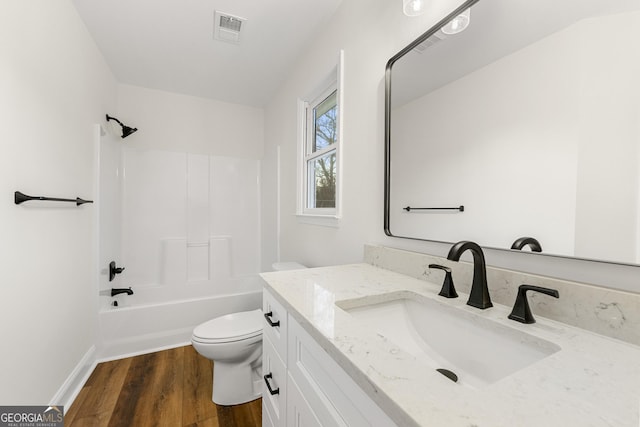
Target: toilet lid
230, 327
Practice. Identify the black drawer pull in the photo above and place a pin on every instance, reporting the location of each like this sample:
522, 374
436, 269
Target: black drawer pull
266, 380
271, 322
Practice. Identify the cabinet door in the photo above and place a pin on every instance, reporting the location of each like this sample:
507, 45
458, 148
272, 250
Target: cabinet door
335, 398
299, 413
274, 391
266, 417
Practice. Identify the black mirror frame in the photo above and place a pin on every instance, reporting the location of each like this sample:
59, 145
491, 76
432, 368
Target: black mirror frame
387, 112
387, 145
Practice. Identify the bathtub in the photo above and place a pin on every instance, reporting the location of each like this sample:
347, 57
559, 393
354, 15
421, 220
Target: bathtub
161, 317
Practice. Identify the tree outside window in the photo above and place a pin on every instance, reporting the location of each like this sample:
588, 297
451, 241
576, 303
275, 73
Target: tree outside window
321, 151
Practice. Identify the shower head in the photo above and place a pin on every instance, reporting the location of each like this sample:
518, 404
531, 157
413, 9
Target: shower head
126, 130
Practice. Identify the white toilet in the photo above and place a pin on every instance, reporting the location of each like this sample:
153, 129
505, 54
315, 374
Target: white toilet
234, 343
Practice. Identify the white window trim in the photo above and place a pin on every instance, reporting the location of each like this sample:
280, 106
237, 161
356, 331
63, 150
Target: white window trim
321, 216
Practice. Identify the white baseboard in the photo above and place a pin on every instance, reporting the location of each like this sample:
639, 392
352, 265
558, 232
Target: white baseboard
118, 356
69, 390
143, 344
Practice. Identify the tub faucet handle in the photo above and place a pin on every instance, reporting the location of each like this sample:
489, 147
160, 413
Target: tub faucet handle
113, 270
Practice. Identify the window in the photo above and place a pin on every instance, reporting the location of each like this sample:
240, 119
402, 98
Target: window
320, 153
319, 190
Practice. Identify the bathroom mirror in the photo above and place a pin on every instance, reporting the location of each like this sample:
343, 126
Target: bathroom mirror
529, 119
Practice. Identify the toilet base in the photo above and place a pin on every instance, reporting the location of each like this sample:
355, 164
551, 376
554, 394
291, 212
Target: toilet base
236, 384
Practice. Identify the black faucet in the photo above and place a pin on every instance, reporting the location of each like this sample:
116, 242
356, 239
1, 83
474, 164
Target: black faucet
479, 295
117, 291
524, 241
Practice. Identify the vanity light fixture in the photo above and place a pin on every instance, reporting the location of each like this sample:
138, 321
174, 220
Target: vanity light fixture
413, 7
458, 24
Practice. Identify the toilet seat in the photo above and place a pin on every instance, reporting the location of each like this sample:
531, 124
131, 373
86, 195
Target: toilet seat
229, 328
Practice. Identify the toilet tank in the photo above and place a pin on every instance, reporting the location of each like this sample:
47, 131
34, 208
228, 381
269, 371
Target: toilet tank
290, 265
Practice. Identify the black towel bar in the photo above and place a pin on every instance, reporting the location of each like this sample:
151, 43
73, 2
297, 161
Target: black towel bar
21, 197
459, 208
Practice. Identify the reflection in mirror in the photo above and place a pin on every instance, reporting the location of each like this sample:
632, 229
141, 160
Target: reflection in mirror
530, 119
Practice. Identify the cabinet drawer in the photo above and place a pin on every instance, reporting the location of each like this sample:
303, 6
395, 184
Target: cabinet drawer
275, 323
274, 391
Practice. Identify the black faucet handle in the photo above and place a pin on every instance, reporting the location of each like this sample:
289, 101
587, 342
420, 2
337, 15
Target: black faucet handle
521, 311
113, 270
448, 289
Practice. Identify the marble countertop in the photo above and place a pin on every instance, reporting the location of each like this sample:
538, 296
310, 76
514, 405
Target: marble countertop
592, 380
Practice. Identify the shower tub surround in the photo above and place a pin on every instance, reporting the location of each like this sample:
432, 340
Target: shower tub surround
592, 380
186, 229
188, 218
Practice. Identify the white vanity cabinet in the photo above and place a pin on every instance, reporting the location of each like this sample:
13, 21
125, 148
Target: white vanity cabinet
312, 389
274, 362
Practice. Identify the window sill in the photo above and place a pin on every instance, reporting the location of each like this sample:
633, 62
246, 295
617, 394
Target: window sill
322, 220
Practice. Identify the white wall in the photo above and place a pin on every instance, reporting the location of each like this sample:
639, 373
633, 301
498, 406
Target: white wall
55, 86
174, 122
370, 32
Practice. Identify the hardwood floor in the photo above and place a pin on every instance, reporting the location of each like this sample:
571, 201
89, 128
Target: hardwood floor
170, 388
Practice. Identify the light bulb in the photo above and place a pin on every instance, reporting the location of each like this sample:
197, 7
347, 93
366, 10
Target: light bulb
458, 24
413, 7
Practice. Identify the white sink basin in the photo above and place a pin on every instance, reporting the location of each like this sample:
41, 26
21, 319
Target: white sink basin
478, 350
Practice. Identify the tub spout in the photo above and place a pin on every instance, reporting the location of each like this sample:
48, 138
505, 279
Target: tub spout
115, 291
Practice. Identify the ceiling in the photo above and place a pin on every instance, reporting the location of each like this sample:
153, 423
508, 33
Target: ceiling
169, 45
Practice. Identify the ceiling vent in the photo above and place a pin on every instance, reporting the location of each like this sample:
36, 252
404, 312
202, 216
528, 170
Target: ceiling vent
227, 27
